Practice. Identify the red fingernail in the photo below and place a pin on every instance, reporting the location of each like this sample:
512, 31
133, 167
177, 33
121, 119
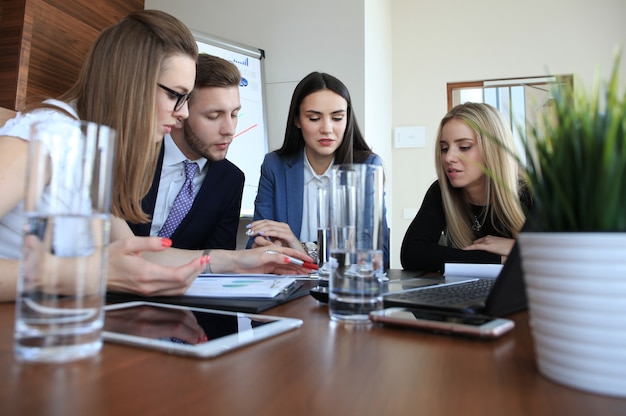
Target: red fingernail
166, 242
205, 260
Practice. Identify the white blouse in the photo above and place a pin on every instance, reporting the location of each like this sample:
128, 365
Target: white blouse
310, 206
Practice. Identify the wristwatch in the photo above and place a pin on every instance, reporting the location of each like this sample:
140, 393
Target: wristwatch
310, 248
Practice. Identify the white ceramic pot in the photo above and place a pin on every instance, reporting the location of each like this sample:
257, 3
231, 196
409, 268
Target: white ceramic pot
576, 286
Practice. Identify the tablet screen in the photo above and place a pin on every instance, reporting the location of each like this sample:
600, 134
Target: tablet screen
185, 329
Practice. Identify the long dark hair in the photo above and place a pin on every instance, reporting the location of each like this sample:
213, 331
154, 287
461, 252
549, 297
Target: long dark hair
353, 148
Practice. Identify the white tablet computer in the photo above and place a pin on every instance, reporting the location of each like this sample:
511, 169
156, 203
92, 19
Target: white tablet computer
183, 330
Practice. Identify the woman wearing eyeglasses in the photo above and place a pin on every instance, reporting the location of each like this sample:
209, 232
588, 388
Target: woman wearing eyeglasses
137, 79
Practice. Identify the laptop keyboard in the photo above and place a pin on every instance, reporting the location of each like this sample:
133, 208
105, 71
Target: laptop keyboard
476, 290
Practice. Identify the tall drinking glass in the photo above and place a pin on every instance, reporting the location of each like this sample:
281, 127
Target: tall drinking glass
62, 280
322, 231
356, 242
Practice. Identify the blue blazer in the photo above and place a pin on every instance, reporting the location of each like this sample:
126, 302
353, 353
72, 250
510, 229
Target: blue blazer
281, 193
213, 219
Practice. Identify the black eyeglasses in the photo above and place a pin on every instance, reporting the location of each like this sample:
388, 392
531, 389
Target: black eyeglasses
181, 99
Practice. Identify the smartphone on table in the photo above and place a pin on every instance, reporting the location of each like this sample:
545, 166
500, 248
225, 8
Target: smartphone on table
446, 322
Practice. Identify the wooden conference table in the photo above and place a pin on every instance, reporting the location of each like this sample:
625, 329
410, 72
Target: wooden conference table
319, 369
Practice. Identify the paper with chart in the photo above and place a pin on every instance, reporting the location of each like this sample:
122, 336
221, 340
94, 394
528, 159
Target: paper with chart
241, 286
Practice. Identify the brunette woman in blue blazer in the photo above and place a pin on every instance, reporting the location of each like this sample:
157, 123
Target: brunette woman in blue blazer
321, 131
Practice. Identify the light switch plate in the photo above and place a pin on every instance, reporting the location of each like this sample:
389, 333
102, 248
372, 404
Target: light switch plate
410, 136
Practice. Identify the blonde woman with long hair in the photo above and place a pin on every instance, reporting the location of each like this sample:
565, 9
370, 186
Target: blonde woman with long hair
137, 79
469, 216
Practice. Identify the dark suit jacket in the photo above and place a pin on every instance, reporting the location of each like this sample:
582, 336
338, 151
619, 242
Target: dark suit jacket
214, 216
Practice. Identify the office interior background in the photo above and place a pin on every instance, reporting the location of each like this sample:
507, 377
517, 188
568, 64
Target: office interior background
396, 57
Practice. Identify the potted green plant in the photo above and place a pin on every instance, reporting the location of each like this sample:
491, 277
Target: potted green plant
574, 250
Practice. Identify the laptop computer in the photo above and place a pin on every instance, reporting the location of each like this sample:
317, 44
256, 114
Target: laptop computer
486, 296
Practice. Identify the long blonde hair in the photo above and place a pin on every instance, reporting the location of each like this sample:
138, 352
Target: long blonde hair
117, 87
495, 142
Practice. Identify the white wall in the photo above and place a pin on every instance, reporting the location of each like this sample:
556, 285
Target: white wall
378, 99
298, 38
396, 57
456, 40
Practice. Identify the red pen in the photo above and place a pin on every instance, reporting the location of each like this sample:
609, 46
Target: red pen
293, 260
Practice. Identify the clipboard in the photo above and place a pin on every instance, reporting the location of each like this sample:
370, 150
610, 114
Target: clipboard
245, 286
250, 305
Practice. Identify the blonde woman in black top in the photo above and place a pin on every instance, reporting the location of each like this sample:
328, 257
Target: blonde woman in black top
467, 216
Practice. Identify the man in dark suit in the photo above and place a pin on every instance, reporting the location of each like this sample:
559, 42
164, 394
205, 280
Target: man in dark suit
203, 140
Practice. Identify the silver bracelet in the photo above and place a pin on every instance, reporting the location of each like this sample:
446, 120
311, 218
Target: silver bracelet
207, 268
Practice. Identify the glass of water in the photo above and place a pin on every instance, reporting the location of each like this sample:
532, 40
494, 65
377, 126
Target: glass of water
62, 281
322, 232
356, 242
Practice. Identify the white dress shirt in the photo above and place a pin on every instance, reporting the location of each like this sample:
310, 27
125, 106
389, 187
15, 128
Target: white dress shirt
172, 180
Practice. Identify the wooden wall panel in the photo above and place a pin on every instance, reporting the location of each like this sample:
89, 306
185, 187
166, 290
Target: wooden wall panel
57, 52
11, 23
97, 13
43, 44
